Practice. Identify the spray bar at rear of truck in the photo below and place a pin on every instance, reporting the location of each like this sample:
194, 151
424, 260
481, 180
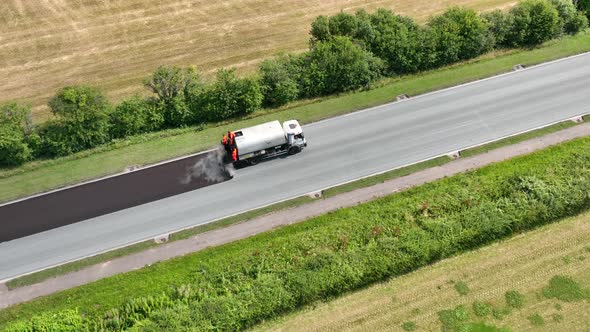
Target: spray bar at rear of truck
252, 144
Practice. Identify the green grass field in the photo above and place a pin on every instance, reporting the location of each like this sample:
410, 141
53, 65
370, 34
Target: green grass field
493, 275
42, 176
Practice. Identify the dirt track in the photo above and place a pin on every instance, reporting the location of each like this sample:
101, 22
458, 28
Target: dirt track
97, 198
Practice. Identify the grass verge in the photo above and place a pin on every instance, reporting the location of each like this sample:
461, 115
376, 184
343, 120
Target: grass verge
335, 253
37, 277
42, 176
348, 187
531, 266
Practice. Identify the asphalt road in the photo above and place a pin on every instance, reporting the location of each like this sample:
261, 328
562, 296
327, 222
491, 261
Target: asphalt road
93, 199
339, 150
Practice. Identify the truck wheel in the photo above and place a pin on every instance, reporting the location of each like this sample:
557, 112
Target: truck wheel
293, 150
253, 161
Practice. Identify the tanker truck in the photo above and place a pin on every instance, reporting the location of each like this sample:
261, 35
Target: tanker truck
251, 145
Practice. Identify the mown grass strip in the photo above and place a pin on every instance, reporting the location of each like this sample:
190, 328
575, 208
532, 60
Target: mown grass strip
42, 176
37, 277
236, 285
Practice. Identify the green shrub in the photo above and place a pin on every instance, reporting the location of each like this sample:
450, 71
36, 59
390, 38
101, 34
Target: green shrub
461, 35
231, 96
514, 299
279, 80
462, 288
14, 150
572, 21
534, 22
16, 134
395, 40
482, 309
584, 7
134, 116
409, 326
64, 321
482, 327
536, 319
82, 121
343, 24
499, 24
178, 95
565, 289
501, 313
338, 65
453, 319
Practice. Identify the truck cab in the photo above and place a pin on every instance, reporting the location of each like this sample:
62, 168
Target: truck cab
295, 137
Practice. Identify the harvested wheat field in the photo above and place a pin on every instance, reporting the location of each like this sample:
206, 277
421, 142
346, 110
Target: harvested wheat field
525, 264
47, 44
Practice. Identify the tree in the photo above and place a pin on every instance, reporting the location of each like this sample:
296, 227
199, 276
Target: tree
338, 65
17, 115
15, 129
499, 24
584, 7
534, 22
572, 21
134, 116
395, 40
57, 139
79, 103
365, 33
13, 149
231, 96
320, 29
343, 24
461, 35
427, 43
82, 121
178, 91
279, 80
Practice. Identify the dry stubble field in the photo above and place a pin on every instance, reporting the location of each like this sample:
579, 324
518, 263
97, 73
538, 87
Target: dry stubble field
47, 44
525, 263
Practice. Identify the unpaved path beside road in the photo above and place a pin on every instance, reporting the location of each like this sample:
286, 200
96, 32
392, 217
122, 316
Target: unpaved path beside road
281, 218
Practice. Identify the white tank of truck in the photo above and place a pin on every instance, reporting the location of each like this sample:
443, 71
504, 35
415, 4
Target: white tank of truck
266, 140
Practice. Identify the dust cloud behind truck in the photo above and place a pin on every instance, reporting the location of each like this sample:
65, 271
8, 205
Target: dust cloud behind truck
252, 144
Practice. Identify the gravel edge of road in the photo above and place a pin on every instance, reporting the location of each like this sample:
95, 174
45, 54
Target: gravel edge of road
281, 218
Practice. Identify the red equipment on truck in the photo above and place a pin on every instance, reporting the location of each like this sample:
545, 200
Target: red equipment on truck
252, 144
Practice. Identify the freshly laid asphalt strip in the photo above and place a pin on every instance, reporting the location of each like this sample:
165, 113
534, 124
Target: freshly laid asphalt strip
340, 149
97, 198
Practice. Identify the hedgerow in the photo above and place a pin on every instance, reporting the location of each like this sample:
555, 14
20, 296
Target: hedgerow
237, 285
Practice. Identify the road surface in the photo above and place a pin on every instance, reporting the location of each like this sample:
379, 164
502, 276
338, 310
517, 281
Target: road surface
95, 198
339, 150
